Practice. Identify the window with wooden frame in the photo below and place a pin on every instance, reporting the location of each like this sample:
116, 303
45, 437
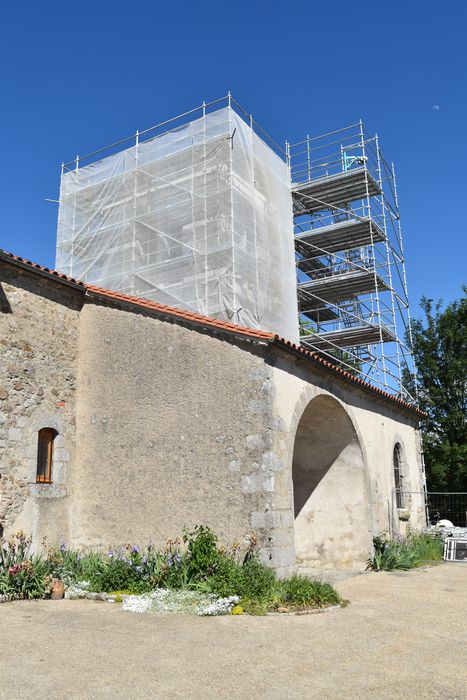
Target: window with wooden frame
45, 455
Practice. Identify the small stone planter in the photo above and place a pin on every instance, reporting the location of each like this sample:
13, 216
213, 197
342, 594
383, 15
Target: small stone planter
403, 515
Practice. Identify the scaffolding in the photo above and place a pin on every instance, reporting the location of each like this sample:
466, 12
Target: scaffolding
352, 288
206, 212
196, 213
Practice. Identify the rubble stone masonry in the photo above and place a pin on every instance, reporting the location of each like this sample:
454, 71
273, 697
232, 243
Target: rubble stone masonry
38, 362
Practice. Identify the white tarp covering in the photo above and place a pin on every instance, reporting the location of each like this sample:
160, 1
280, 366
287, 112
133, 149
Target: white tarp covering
199, 218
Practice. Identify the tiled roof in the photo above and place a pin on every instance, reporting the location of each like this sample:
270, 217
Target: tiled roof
315, 357
189, 316
211, 323
38, 268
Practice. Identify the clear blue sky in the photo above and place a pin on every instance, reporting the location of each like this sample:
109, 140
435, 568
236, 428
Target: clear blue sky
77, 76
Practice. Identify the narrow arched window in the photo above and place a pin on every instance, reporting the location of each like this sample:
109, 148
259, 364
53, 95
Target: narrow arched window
45, 455
397, 466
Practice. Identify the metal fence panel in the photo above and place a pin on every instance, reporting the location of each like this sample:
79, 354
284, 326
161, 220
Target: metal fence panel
447, 506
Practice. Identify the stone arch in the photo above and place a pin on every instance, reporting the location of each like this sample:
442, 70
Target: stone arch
330, 488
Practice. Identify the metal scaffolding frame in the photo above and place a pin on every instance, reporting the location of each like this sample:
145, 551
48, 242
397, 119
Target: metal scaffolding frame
352, 286
351, 279
194, 213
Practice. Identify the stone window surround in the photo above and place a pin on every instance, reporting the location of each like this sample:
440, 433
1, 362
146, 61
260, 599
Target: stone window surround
404, 471
56, 489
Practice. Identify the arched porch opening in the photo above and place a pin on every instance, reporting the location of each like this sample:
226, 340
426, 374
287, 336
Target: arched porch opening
329, 489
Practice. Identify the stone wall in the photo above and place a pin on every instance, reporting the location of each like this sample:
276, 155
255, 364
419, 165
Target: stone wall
38, 344
366, 484
162, 426
173, 425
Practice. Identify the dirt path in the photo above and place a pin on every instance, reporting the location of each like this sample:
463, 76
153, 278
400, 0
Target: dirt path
404, 635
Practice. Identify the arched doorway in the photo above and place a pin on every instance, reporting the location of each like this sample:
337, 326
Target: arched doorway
330, 489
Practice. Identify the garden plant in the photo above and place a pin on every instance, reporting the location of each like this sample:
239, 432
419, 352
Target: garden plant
403, 553
192, 573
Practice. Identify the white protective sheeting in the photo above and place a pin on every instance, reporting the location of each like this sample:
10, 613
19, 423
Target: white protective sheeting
198, 218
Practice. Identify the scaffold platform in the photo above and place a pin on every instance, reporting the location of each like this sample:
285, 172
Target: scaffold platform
310, 264
349, 337
345, 285
344, 235
314, 309
333, 191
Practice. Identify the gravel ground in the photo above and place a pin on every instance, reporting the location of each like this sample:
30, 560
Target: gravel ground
404, 635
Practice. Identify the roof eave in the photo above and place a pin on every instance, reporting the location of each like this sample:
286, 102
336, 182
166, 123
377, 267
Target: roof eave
210, 325
49, 274
181, 319
348, 378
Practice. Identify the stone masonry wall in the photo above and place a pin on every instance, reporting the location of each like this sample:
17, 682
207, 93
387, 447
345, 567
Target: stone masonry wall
174, 429
162, 426
378, 426
38, 345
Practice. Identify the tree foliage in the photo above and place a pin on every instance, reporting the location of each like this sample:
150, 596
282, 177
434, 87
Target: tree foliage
441, 358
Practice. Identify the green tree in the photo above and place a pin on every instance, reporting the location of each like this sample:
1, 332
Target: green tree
441, 358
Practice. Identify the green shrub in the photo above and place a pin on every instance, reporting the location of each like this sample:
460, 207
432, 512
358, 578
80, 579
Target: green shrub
28, 579
175, 574
404, 552
390, 555
227, 578
127, 568
89, 566
154, 563
63, 564
115, 574
425, 546
301, 590
259, 581
22, 575
5, 583
15, 550
202, 551
255, 607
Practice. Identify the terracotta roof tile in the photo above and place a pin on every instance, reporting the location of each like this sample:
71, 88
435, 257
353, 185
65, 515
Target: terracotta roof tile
39, 268
181, 313
215, 324
329, 365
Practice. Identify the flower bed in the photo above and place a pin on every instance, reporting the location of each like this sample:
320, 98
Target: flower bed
191, 575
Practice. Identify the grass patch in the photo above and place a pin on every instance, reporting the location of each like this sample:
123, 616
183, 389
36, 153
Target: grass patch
303, 592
